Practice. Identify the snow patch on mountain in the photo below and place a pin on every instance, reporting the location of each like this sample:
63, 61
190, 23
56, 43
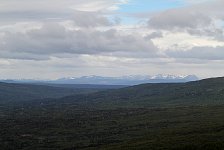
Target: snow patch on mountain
127, 80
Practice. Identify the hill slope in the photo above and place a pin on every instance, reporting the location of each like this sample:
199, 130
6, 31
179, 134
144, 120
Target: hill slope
10, 92
204, 92
111, 120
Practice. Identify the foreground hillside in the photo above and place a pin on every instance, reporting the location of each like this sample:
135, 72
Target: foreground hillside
187, 116
68, 127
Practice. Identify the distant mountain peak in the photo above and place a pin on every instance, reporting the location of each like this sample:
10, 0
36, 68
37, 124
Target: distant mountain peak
122, 80
128, 79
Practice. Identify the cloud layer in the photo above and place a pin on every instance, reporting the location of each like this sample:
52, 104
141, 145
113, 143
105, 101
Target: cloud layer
53, 39
95, 37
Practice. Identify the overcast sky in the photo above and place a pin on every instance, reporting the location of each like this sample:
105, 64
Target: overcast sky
49, 39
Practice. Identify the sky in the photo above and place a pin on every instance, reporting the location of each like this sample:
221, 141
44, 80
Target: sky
50, 39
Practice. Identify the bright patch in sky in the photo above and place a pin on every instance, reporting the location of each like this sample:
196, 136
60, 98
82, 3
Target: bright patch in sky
135, 6
145, 6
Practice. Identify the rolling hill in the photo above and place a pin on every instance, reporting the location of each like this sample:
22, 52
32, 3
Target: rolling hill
15, 92
204, 92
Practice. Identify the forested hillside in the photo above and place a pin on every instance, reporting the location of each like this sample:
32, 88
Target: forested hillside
11, 92
149, 116
204, 92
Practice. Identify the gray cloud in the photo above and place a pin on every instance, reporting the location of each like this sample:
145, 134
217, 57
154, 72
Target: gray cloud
26, 10
203, 53
214, 32
154, 35
54, 39
90, 19
197, 19
179, 19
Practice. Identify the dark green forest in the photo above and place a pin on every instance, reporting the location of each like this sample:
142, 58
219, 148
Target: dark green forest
173, 116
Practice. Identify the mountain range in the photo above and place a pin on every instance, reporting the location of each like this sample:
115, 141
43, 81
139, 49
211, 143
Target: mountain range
123, 80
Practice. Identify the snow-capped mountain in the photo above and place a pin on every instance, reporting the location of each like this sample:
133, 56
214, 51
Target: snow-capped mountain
126, 80
123, 80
